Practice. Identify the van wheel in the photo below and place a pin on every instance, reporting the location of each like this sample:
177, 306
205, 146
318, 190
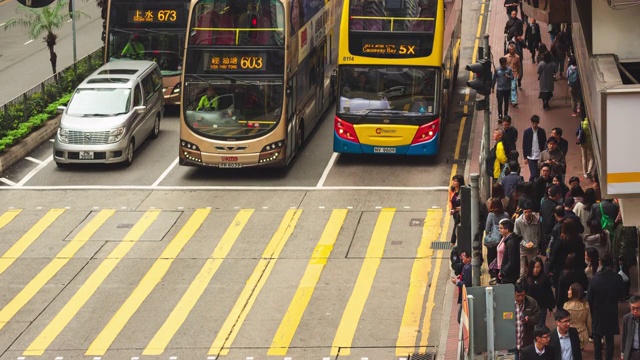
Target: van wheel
156, 128
130, 150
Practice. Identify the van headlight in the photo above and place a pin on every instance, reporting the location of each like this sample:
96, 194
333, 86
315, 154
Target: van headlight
63, 135
116, 135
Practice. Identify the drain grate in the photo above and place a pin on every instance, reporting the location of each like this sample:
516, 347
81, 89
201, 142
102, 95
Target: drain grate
423, 356
441, 245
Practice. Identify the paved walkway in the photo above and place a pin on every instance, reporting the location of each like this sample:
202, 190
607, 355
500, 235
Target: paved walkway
528, 104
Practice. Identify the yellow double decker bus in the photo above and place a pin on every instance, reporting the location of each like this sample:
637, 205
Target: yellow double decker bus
257, 79
149, 30
397, 64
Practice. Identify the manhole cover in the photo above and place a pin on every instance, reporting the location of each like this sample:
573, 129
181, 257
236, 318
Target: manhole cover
441, 245
425, 356
124, 226
416, 222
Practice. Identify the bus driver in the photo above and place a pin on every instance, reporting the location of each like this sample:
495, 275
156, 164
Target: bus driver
208, 101
134, 48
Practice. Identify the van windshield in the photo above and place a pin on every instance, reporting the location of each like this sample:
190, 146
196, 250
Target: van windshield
100, 102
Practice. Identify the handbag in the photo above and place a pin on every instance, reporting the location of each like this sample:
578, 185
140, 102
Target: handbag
492, 238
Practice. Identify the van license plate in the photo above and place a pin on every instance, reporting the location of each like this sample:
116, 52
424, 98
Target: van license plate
384, 150
230, 165
85, 155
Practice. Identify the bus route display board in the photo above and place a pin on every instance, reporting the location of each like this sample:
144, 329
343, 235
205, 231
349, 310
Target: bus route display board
156, 14
230, 62
390, 47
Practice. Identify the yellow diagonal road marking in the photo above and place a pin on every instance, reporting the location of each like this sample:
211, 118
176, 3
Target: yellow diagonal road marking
160, 341
101, 344
256, 281
63, 257
62, 319
14, 252
351, 316
410, 326
8, 216
291, 320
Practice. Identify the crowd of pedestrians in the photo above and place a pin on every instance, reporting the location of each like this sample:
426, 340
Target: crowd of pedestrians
556, 240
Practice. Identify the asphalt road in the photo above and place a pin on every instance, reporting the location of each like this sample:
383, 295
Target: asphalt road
25, 64
336, 258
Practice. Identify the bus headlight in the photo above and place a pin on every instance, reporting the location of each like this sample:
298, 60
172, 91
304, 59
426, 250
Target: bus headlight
63, 135
271, 152
176, 89
190, 151
115, 135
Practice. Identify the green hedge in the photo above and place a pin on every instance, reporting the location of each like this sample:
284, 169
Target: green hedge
25, 128
42, 106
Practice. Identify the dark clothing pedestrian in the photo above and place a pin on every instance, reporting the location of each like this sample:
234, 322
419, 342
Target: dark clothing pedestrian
546, 71
563, 145
510, 182
564, 282
532, 153
530, 353
560, 249
539, 288
503, 102
513, 28
604, 291
532, 39
510, 267
455, 205
574, 342
540, 186
630, 341
511, 5
548, 222
509, 139
502, 82
531, 310
465, 279
608, 206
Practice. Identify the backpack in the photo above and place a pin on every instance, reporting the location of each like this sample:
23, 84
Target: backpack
605, 221
456, 261
573, 77
492, 238
581, 137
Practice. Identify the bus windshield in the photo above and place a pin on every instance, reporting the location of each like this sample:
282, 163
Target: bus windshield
393, 15
408, 91
238, 22
232, 109
163, 48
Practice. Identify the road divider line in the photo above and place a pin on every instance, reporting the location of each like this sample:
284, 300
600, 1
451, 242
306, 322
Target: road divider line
456, 154
8, 216
418, 283
34, 160
17, 249
89, 287
247, 188
28, 42
46, 274
154, 275
426, 323
289, 325
327, 170
165, 173
33, 172
172, 324
7, 181
254, 284
352, 312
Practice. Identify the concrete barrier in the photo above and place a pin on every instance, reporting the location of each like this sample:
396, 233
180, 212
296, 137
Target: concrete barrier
19, 151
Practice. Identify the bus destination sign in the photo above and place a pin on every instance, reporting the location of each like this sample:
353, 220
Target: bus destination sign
235, 62
157, 16
390, 47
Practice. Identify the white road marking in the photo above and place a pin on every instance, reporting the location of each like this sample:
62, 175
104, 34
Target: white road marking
98, 358
327, 169
39, 208
37, 161
19, 357
243, 188
30, 41
364, 358
70, 20
59, 358
211, 358
135, 358
378, 207
165, 173
33, 172
173, 357
3, 25
52, 140
326, 358
287, 358
249, 357
7, 181
407, 207
321, 207
265, 207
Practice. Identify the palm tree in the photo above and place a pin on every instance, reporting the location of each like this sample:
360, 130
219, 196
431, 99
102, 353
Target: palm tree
45, 20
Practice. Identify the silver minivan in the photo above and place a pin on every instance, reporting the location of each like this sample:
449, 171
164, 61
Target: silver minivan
110, 114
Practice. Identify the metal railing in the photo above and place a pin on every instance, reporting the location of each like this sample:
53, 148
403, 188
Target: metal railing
9, 120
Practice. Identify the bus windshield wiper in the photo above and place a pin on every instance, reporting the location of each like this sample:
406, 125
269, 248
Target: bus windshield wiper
363, 116
243, 82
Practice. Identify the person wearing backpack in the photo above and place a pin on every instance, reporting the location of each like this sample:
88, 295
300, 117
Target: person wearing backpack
573, 80
583, 137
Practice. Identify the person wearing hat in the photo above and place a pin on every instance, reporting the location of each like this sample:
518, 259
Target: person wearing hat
533, 143
134, 48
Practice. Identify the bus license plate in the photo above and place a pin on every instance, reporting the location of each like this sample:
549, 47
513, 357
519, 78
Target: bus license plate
384, 150
230, 165
85, 155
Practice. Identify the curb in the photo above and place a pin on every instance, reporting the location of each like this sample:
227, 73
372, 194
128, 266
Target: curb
25, 146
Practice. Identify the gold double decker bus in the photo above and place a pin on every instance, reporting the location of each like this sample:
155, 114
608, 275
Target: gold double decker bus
149, 30
257, 79
397, 64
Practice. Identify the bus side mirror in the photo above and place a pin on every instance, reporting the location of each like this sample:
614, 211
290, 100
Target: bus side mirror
446, 84
289, 90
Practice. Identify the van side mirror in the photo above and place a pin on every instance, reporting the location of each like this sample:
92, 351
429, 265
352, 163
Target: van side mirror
446, 83
61, 109
139, 109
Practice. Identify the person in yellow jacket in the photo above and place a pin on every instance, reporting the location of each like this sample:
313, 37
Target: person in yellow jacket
498, 153
208, 101
588, 162
134, 48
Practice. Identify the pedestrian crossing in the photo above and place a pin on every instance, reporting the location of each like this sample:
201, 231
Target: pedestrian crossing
208, 283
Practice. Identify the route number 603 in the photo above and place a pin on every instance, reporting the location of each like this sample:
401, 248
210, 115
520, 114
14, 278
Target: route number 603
251, 62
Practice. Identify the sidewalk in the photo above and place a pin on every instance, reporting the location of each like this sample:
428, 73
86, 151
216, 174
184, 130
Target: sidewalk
558, 116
